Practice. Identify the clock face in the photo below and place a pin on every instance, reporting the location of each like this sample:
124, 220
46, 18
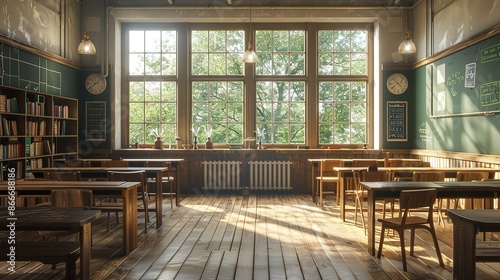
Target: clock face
397, 83
95, 83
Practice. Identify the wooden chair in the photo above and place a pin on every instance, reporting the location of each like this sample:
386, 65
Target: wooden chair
167, 180
364, 163
116, 163
432, 176
76, 163
67, 198
472, 176
408, 200
63, 176
129, 176
327, 175
360, 194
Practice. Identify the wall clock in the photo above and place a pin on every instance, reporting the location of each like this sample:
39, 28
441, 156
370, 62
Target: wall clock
397, 83
95, 83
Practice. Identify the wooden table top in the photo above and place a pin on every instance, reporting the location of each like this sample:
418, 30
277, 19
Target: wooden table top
45, 218
49, 185
478, 217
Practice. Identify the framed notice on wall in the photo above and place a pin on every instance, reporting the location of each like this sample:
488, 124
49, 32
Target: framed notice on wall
397, 121
95, 120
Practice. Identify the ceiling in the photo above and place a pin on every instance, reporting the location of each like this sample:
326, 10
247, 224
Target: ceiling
265, 3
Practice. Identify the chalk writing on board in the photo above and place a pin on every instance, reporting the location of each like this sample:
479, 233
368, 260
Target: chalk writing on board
96, 121
456, 78
490, 53
470, 75
397, 120
424, 133
490, 93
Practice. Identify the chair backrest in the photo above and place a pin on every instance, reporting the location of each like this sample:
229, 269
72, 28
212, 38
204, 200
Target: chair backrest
364, 163
327, 165
413, 163
67, 198
428, 176
374, 176
129, 176
396, 163
155, 163
414, 199
76, 163
472, 176
116, 163
63, 176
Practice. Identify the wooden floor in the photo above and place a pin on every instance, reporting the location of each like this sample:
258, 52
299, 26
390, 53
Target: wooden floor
253, 237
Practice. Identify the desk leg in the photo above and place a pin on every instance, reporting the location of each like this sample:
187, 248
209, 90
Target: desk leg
342, 195
313, 182
464, 251
159, 196
177, 183
371, 223
85, 250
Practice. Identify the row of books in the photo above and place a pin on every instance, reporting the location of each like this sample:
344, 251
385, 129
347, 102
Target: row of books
11, 150
35, 108
37, 128
5, 172
8, 105
8, 127
39, 148
59, 127
61, 111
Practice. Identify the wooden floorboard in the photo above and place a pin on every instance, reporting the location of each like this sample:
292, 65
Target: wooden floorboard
264, 236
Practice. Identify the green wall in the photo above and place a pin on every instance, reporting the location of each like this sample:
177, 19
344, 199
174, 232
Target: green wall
445, 113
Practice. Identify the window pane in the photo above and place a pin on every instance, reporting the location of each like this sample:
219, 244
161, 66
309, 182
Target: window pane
152, 104
217, 52
280, 110
281, 52
219, 105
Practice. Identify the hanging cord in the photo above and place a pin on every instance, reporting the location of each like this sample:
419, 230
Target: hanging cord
2, 69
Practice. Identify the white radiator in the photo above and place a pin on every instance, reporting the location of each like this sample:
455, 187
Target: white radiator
270, 175
221, 175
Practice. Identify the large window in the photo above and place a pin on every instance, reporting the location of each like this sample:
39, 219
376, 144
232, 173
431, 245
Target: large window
281, 89
217, 102
311, 85
152, 61
342, 86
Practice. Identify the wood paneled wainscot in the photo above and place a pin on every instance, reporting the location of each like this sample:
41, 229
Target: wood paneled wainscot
209, 171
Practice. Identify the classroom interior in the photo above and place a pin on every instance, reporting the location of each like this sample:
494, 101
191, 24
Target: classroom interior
245, 141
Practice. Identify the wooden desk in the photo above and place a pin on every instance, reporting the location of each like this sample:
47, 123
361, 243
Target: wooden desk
175, 165
43, 218
156, 172
450, 172
384, 190
466, 225
126, 190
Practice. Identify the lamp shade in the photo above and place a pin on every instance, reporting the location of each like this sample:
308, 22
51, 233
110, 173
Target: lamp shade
250, 56
407, 46
86, 46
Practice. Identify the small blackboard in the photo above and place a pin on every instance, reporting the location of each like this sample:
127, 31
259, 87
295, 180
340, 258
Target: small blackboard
95, 120
397, 121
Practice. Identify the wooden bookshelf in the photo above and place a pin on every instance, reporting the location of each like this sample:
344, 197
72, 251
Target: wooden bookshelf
36, 129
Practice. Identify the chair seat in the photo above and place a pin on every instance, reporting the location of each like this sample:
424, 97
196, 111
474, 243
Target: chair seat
328, 178
410, 221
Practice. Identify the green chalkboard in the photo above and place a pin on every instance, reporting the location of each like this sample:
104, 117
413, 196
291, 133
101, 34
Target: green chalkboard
456, 105
467, 81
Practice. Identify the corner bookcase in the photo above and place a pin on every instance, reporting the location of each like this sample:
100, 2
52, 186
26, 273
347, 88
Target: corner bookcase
36, 129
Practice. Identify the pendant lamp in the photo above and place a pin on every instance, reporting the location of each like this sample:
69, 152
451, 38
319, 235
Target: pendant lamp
86, 46
250, 56
407, 46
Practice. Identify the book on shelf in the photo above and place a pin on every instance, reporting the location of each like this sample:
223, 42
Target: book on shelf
12, 150
9, 127
61, 111
12, 105
3, 103
47, 147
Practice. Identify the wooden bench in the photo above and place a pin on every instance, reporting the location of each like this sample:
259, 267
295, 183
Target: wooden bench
488, 251
48, 252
